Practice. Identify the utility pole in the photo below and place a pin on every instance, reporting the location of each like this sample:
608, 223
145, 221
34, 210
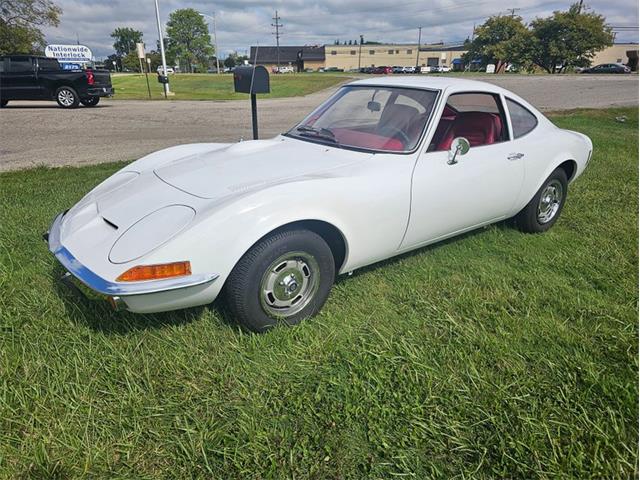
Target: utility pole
419, 40
164, 60
360, 52
580, 8
514, 10
473, 32
277, 26
215, 43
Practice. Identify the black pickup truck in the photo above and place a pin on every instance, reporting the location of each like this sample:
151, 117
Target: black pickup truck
24, 77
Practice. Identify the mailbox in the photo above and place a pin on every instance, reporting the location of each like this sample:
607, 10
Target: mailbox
163, 79
251, 79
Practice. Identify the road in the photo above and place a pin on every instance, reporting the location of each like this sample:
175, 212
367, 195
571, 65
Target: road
41, 133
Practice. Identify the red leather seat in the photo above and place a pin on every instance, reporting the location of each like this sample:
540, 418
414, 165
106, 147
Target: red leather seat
480, 128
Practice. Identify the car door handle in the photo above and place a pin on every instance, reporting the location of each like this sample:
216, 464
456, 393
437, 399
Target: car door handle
515, 156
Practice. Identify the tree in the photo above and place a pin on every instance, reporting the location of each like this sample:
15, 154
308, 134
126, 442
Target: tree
501, 40
568, 39
20, 22
131, 62
188, 38
125, 40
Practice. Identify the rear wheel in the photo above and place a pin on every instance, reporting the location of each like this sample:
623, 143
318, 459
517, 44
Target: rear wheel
67, 97
90, 102
285, 277
546, 205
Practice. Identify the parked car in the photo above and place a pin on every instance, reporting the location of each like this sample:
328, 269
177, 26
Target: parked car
382, 70
382, 167
397, 69
366, 70
24, 77
282, 69
607, 68
409, 69
170, 70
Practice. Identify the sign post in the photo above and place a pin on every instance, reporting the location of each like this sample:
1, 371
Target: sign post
142, 56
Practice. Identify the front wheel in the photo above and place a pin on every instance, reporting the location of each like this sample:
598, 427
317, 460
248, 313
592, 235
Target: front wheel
90, 102
67, 97
546, 205
286, 276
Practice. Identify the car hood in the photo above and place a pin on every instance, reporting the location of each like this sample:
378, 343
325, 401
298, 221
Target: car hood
251, 165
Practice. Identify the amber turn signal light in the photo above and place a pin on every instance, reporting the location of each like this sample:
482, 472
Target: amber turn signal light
155, 272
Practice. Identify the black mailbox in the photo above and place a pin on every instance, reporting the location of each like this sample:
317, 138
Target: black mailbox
251, 79
163, 79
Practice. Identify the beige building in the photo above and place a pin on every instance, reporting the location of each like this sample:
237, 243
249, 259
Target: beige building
350, 57
617, 53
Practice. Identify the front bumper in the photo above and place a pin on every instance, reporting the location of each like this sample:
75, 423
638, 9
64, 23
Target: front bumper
115, 290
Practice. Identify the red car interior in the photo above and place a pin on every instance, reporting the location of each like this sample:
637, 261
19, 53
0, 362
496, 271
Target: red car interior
480, 128
356, 138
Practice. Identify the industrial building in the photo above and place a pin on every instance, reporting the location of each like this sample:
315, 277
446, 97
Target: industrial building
353, 57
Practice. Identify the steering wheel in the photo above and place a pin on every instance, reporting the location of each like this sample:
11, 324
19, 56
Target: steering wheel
396, 132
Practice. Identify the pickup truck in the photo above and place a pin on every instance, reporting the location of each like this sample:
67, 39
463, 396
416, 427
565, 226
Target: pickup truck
25, 77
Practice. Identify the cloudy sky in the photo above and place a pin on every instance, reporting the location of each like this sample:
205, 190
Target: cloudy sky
241, 23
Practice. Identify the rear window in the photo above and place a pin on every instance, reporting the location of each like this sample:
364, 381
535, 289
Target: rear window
522, 120
48, 64
17, 64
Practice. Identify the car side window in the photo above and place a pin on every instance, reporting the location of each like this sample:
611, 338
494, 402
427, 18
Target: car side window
20, 65
522, 120
478, 117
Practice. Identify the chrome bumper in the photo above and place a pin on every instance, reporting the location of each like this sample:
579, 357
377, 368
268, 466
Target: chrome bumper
118, 289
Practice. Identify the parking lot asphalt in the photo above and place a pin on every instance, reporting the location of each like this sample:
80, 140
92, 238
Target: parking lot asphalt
41, 133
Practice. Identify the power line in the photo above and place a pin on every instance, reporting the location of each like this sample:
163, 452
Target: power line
277, 26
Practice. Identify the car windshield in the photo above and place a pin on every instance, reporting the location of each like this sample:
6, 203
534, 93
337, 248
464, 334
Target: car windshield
389, 119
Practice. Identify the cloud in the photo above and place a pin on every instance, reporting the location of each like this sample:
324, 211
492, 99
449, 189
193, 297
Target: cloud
244, 23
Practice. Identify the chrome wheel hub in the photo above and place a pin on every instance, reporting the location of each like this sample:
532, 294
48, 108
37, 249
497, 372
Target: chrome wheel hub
550, 201
289, 284
66, 98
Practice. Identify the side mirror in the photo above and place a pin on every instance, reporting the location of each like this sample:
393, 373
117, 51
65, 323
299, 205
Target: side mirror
459, 146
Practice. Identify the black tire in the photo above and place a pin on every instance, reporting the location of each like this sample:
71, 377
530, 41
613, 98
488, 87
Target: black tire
90, 102
245, 291
3, 103
67, 97
535, 218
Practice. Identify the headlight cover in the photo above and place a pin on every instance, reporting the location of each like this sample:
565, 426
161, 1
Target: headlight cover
150, 232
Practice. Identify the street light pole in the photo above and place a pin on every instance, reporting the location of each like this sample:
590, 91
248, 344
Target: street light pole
360, 52
164, 59
215, 38
215, 42
419, 40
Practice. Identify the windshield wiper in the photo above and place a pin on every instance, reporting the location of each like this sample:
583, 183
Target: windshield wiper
323, 133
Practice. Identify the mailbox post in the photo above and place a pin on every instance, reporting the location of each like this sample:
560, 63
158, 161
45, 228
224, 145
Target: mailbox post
252, 80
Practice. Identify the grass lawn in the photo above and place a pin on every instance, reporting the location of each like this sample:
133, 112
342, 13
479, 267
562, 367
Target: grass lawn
495, 355
219, 87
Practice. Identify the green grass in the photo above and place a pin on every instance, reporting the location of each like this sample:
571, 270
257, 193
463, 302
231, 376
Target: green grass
495, 355
219, 87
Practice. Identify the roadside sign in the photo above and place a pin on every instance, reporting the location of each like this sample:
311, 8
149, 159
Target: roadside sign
140, 50
69, 53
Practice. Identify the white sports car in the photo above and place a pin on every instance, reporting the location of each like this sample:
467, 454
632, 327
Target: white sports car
384, 166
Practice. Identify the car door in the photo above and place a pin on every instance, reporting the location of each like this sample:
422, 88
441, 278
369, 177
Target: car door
19, 79
481, 187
